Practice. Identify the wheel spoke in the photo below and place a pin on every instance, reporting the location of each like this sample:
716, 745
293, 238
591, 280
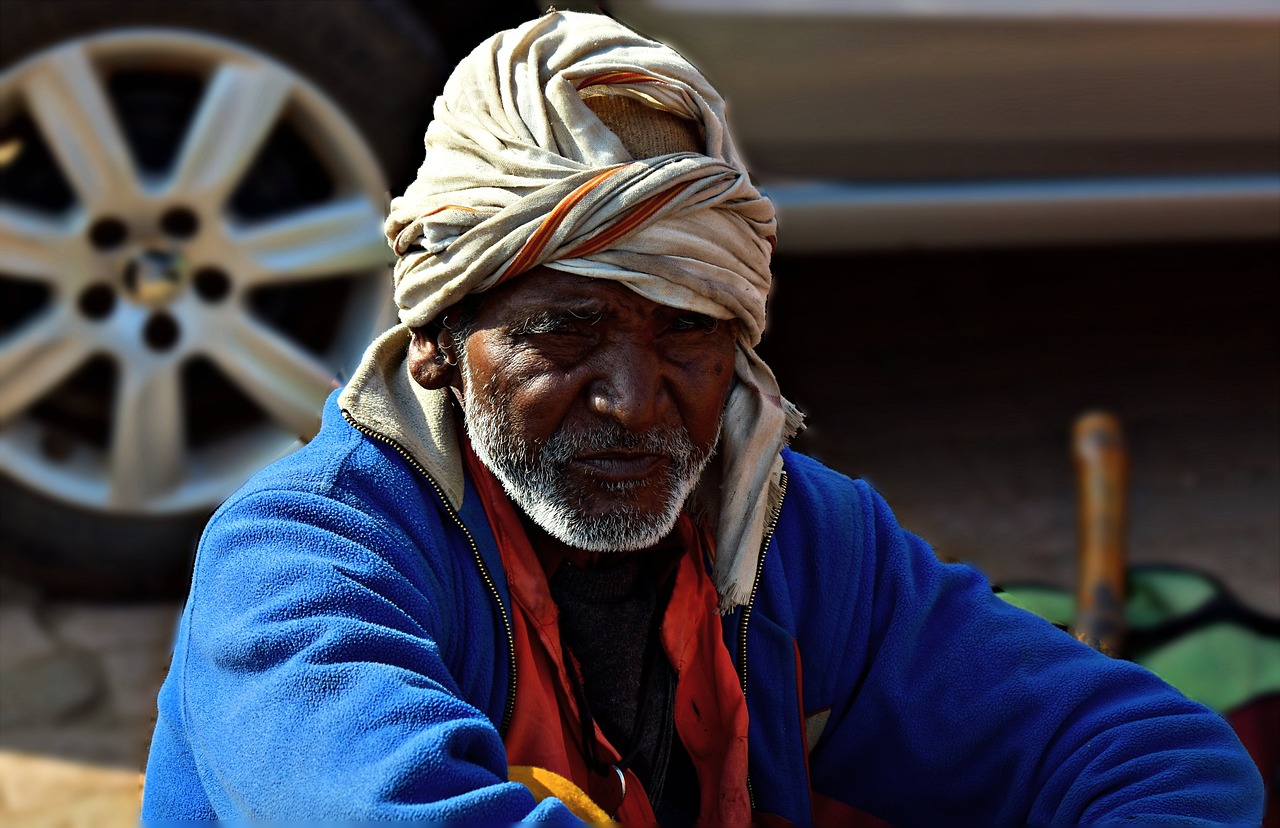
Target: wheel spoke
80, 312
76, 119
35, 358
287, 381
339, 237
240, 106
34, 246
147, 435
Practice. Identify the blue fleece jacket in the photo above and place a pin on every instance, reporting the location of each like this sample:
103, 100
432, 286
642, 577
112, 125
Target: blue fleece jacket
345, 654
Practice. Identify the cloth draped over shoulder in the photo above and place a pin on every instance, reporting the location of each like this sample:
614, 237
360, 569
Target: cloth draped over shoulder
519, 172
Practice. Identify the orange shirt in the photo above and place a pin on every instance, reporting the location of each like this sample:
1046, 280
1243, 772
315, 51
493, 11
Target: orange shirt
545, 730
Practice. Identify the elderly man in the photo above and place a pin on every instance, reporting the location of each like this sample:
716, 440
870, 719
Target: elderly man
549, 558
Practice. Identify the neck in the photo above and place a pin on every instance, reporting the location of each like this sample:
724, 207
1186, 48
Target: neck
552, 551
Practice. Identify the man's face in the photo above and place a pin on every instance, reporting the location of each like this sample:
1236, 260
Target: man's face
596, 408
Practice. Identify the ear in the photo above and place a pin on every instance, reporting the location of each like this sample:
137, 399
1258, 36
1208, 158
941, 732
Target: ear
427, 359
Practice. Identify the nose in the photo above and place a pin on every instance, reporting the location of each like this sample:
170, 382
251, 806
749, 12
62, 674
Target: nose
630, 387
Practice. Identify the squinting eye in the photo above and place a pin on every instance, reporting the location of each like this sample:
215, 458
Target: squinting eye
569, 323
696, 322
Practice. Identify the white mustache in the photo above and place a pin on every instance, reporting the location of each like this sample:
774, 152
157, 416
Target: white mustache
561, 447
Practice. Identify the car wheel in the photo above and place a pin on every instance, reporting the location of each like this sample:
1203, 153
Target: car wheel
191, 259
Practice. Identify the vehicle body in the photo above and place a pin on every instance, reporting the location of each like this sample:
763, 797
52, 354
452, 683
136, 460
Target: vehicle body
884, 124
191, 198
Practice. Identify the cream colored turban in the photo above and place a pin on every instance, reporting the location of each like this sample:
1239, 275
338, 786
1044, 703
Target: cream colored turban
520, 172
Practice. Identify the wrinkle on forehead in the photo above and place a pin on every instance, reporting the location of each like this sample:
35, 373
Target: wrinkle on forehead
538, 300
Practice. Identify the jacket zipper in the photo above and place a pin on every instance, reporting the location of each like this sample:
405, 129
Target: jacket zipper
475, 552
746, 610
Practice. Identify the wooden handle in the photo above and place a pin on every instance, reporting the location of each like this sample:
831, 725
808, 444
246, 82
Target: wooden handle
1102, 476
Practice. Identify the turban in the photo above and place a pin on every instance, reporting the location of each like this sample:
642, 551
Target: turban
521, 172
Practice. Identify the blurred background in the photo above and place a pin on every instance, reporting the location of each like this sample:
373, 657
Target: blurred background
995, 215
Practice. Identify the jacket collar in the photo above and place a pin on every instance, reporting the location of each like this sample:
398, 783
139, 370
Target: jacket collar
383, 396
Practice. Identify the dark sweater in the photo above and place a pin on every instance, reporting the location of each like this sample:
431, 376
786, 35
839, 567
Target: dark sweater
609, 620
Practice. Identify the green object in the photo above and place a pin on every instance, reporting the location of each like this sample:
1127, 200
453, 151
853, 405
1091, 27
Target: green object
1184, 627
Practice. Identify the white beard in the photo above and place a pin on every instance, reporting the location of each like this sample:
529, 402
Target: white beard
536, 480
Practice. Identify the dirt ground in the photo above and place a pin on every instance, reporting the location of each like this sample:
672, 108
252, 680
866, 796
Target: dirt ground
948, 380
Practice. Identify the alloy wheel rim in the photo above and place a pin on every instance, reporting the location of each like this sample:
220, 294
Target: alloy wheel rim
147, 272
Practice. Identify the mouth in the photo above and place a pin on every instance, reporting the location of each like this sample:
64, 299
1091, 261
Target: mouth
619, 466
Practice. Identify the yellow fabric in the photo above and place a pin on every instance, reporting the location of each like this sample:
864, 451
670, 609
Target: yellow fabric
544, 783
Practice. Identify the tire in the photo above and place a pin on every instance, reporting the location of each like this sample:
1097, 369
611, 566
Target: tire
172, 321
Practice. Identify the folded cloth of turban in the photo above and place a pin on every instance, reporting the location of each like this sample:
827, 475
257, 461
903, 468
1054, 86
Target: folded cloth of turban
521, 172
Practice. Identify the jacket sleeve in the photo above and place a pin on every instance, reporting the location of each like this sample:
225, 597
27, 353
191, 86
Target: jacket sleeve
947, 704
309, 682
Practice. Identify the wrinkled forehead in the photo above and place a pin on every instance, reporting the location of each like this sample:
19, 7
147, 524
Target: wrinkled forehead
546, 288
545, 292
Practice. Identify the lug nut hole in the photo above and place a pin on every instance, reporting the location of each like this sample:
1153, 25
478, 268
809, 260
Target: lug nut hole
161, 332
108, 233
97, 301
56, 445
180, 223
212, 284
